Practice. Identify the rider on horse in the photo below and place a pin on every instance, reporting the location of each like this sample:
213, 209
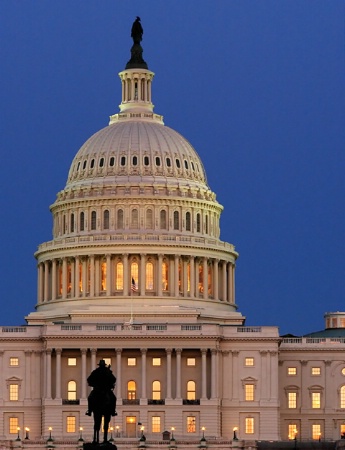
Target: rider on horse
103, 382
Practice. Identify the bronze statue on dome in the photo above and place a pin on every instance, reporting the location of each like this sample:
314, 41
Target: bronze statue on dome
137, 31
137, 61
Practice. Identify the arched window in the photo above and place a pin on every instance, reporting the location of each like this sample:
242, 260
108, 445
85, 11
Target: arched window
72, 223
134, 218
135, 160
188, 228
123, 161
149, 276
146, 160
198, 223
158, 161
191, 390
120, 219
64, 224
131, 390
106, 219
165, 276
71, 390
156, 390
168, 161
163, 220
342, 397
201, 278
103, 276
92, 164
112, 162
119, 276
93, 220
176, 220
134, 273
101, 162
82, 221
206, 224
69, 278
149, 217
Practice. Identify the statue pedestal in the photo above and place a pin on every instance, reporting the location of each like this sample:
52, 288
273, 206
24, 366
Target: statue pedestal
100, 446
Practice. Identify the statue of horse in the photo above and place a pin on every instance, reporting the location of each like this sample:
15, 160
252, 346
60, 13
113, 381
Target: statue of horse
101, 406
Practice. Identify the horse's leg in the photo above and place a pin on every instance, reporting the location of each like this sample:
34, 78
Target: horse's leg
106, 426
97, 425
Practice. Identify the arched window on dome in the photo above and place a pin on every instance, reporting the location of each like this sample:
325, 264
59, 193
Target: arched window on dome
119, 220
93, 220
342, 397
158, 161
112, 161
135, 161
72, 390
201, 278
84, 164
149, 276
191, 390
146, 161
165, 276
176, 220
178, 163
123, 161
119, 276
106, 219
82, 221
92, 164
206, 224
149, 219
188, 221
163, 219
134, 273
131, 390
101, 162
198, 223
186, 164
134, 218
156, 390
168, 162
72, 223
192, 164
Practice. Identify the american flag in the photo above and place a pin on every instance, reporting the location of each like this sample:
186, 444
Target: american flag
133, 286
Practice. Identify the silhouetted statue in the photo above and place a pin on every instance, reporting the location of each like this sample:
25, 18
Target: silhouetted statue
102, 400
137, 31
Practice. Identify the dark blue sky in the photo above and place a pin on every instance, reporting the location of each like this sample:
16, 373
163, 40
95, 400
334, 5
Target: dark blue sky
257, 86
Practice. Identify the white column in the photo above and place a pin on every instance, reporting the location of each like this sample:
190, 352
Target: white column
159, 276
27, 374
118, 373
235, 372
178, 372
48, 374
274, 393
64, 277
176, 278
203, 373
83, 373
125, 274
215, 279
213, 373
109, 279
76, 276
233, 297
40, 283
168, 352
46, 281
93, 358
142, 276
54, 269
143, 373
139, 88
205, 278
229, 272
192, 277
224, 293
58, 373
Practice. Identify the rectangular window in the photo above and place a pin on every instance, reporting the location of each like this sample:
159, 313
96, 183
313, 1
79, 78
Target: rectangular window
156, 361
249, 392
249, 362
292, 371
191, 362
249, 425
292, 430
316, 370
119, 276
14, 391
14, 361
292, 400
316, 431
316, 400
72, 361
13, 425
71, 424
191, 426
156, 424
107, 361
131, 361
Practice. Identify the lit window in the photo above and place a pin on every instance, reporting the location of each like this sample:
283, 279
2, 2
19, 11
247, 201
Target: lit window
103, 276
316, 370
156, 390
343, 371
156, 424
131, 361
93, 220
249, 362
292, 430
292, 400
70, 424
201, 278
191, 425
72, 390
249, 425
316, 400
149, 276
191, 390
316, 431
13, 425
14, 361
156, 361
72, 361
135, 273
131, 390
107, 361
342, 429
14, 392
292, 371
106, 219
165, 276
119, 276
249, 392
190, 361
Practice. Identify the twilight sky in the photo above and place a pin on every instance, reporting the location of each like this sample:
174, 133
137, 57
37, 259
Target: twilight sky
257, 87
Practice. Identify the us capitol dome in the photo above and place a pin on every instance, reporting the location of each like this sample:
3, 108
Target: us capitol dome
136, 229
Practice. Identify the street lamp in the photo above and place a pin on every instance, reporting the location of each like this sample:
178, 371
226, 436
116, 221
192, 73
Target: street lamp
203, 440
117, 431
18, 434
111, 434
27, 430
81, 434
235, 438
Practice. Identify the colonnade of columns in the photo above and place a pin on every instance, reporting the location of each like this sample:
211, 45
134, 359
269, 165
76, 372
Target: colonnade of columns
157, 275
172, 392
136, 86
